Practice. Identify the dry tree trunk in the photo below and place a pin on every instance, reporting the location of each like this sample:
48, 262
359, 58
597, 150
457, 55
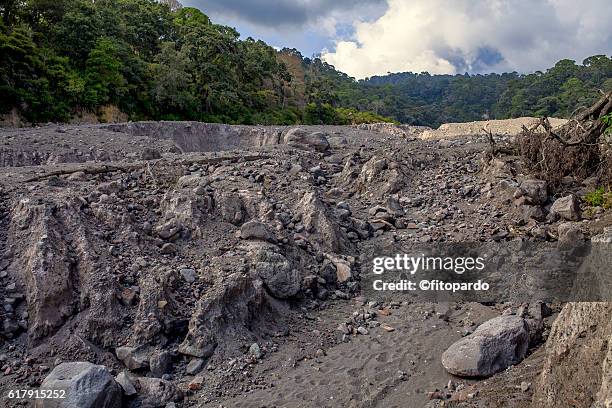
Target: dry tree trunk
575, 149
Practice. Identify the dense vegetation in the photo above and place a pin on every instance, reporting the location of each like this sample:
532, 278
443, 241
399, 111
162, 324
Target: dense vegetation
433, 99
151, 60
157, 60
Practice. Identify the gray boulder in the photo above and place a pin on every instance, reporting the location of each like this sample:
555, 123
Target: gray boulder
535, 190
494, 346
188, 274
134, 358
169, 230
126, 383
195, 366
302, 139
277, 273
160, 363
567, 208
255, 230
87, 386
157, 392
569, 235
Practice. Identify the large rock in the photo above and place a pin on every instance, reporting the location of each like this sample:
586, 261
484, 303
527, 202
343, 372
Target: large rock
87, 386
494, 346
323, 231
255, 230
380, 177
125, 382
160, 363
280, 278
577, 369
235, 303
569, 235
535, 190
302, 139
157, 392
567, 208
169, 230
134, 358
343, 269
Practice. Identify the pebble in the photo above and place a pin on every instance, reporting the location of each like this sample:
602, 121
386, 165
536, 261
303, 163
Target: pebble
255, 351
195, 366
189, 275
387, 328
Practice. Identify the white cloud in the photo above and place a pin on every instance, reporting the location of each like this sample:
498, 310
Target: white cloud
450, 36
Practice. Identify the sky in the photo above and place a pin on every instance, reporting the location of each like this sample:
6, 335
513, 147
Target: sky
373, 37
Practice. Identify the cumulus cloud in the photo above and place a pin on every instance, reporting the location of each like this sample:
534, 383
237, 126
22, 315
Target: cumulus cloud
455, 36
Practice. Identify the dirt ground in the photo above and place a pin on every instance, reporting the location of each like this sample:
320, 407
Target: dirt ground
134, 236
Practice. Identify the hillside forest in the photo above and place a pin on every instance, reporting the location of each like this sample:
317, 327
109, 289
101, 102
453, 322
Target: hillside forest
161, 61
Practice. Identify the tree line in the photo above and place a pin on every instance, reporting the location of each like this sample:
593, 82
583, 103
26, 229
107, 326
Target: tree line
425, 99
152, 60
161, 61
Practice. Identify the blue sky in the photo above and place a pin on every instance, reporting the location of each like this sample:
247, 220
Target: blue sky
369, 37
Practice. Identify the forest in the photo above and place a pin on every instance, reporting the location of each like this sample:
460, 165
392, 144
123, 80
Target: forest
161, 61
434, 99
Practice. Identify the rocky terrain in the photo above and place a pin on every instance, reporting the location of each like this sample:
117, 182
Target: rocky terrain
162, 264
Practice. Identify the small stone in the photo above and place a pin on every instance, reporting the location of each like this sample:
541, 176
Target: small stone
196, 383
362, 330
343, 270
387, 328
343, 328
535, 190
255, 351
189, 275
168, 249
124, 381
383, 312
525, 386
134, 358
160, 363
255, 230
341, 295
567, 208
195, 366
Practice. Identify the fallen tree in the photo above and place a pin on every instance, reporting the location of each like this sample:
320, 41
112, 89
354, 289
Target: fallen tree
577, 149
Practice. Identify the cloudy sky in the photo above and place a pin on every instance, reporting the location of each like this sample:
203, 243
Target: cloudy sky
370, 37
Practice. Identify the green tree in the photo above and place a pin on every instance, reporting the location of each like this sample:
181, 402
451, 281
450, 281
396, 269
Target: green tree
104, 80
173, 89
